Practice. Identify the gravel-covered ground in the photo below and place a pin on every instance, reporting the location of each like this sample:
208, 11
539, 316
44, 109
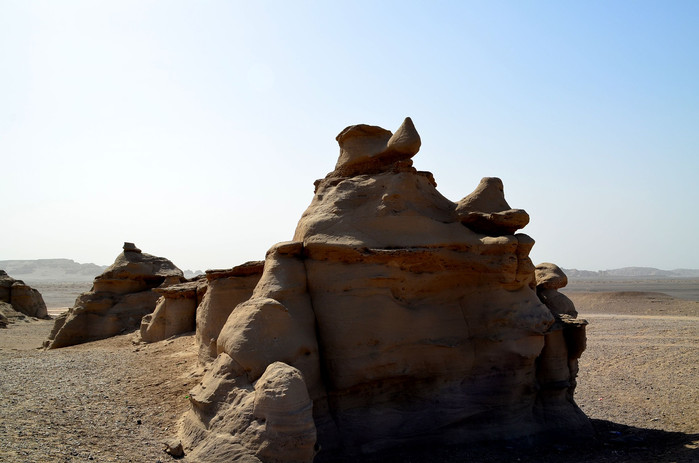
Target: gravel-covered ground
113, 401
105, 401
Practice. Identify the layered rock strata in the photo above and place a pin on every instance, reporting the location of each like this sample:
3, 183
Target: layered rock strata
118, 300
395, 317
23, 298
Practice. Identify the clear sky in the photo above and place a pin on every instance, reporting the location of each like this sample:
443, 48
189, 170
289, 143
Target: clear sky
196, 128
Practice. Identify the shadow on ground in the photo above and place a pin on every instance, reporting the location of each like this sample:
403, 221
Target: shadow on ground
614, 443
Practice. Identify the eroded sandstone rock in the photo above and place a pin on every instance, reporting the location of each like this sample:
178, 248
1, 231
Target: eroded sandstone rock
395, 317
368, 148
557, 369
23, 298
549, 279
118, 300
175, 311
225, 290
486, 211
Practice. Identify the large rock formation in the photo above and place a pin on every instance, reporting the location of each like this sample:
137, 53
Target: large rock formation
118, 300
23, 298
395, 317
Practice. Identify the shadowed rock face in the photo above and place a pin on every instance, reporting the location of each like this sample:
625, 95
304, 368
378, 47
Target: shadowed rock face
118, 300
23, 298
408, 318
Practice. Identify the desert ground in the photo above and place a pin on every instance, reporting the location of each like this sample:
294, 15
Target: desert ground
116, 401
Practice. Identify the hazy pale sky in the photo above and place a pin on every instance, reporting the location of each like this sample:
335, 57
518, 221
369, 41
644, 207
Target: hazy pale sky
196, 129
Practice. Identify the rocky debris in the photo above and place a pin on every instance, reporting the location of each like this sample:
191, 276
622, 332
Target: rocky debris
175, 311
395, 317
173, 448
7, 314
225, 290
118, 300
23, 298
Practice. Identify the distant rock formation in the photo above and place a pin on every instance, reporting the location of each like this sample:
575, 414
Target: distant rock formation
189, 274
394, 318
20, 298
118, 300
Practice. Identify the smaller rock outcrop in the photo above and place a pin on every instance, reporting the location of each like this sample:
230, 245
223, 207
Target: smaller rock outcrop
549, 279
175, 311
118, 300
225, 290
486, 211
565, 342
23, 298
272, 417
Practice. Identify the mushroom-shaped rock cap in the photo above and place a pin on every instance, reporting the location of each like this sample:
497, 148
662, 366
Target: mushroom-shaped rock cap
130, 247
486, 211
489, 196
369, 148
132, 264
550, 276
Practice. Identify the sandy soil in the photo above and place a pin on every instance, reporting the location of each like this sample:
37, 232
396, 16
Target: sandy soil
113, 401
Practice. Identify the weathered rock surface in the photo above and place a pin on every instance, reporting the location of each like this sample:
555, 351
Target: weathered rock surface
118, 300
549, 279
23, 298
8, 314
395, 317
175, 311
557, 367
225, 290
368, 148
486, 211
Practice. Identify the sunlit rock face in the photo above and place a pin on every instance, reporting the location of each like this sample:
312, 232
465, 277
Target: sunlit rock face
175, 311
408, 318
118, 300
225, 290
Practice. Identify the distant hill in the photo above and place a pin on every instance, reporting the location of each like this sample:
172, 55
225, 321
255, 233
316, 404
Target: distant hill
69, 270
51, 269
631, 272
192, 274
59, 270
